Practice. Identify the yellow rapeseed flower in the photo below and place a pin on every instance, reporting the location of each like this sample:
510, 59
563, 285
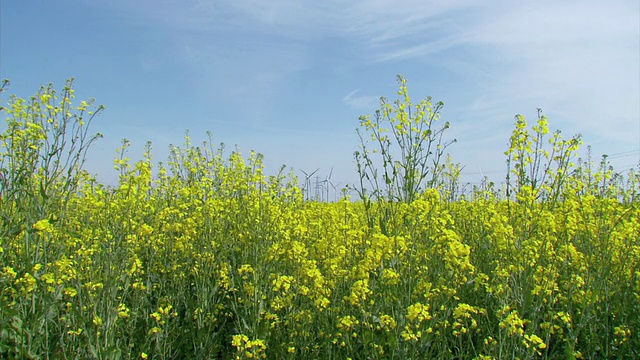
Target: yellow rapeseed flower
8, 273
43, 226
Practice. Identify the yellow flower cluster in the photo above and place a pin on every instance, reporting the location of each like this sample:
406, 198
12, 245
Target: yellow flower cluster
249, 349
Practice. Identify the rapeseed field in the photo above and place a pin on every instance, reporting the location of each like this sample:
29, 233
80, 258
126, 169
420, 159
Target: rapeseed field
207, 257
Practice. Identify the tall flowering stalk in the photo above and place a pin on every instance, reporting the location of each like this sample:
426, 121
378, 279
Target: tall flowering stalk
401, 153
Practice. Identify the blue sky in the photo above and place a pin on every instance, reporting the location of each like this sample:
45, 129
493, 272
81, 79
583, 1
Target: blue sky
289, 79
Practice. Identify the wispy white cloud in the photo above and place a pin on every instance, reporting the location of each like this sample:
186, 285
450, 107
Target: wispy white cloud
361, 102
422, 49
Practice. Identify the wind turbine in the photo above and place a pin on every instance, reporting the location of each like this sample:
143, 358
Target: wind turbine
327, 181
307, 183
